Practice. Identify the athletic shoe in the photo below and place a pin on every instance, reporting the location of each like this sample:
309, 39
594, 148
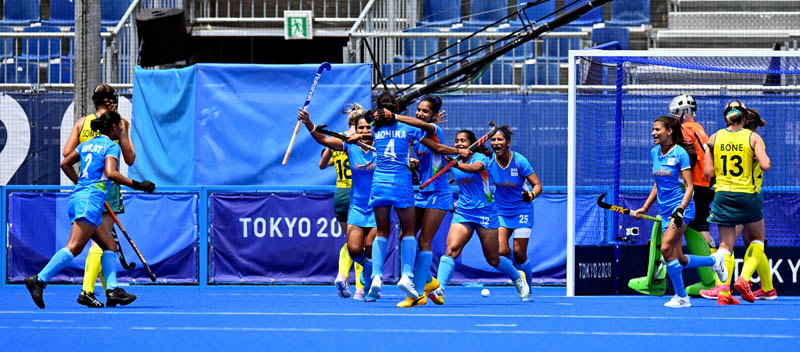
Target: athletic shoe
678, 302
408, 302
727, 300
437, 296
714, 292
744, 289
719, 266
431, 286
769, 295
36, 288
407, 286
89, 300
359, 296
341, 286
119, 296
523, 289
374, 290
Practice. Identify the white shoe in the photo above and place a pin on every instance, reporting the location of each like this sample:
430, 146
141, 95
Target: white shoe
342, 288
678, 302
523, 289
359, 295
719, 266
407, 285
374, 290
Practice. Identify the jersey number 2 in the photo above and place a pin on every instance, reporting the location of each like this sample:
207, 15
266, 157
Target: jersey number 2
88, 162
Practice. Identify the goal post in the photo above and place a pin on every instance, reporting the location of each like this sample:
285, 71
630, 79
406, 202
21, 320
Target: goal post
614, 97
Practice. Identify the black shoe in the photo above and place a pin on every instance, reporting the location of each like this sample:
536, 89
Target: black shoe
36, 289
89, 300
119, 296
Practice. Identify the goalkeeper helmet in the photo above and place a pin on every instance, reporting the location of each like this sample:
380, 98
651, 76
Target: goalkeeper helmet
682, 105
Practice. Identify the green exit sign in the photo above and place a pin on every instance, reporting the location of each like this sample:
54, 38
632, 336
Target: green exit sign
297, 25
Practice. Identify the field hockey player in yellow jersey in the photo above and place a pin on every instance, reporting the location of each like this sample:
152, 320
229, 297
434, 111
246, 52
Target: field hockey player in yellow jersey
104, 99
733, 154
341, 204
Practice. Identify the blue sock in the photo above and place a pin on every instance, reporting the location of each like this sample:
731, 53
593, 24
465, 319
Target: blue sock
378, 256
698, 260
422, 269
359, 260
446, 266
109, 262
675, 272
408, 251
507, 268
367, 273
526, 268
57, 262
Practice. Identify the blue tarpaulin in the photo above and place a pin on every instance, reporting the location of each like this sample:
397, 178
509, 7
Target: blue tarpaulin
214, 124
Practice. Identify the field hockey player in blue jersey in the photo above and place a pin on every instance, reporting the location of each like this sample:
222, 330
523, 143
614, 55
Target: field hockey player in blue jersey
432, 203
361, 228
475, 212
392, 188
98, 157
671, 164
510, 171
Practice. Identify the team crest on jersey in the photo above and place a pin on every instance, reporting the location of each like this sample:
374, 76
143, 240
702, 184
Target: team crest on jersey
670, 161
514, 171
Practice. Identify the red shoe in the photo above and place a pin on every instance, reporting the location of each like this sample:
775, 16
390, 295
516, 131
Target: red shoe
744, 289
714, 292
727, 300
770, 295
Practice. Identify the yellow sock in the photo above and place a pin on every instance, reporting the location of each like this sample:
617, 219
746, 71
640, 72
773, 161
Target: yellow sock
344, 261
754, 250
764, 272
359, 269
728, 261
92, 269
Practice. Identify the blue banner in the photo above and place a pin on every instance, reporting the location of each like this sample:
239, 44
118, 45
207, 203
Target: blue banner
163, 226
278, 237
231, 124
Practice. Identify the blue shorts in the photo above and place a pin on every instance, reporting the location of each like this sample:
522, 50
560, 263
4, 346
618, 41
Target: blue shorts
688, 216
483, 217
434, 200
361, 215
516, 221
86, 207
400, 196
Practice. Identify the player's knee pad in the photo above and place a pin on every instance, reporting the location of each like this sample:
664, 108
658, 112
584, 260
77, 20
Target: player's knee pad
524, 232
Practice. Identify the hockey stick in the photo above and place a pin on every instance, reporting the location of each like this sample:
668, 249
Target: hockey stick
321, 129
620, 209
472, 147
324, 67
133, 245
122, 260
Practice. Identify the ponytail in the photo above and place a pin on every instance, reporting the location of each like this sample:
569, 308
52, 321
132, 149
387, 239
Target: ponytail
104, 123
354, 113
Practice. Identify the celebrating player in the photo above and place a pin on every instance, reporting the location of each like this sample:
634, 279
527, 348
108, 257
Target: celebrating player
475, 211
734, 153
104, 100
670, 165
509, 171
98, 157
341, 203
431, 203
391, 187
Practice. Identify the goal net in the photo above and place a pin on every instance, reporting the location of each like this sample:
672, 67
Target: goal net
614, 97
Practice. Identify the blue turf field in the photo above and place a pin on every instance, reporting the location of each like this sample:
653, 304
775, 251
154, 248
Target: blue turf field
313, 318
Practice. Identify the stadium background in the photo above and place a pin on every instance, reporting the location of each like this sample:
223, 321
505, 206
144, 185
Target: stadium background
526, 89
